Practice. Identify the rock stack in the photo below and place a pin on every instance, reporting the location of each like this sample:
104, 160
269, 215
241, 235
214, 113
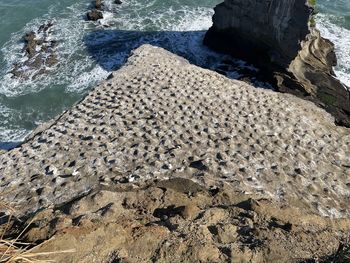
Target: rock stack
278, 37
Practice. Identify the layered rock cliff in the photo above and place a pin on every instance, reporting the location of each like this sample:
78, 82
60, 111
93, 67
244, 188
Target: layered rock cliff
279, 38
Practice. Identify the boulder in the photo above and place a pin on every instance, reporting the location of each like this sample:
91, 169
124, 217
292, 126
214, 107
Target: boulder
118, 2
98, 4
45, 27
94, 15
30, 43
278, 37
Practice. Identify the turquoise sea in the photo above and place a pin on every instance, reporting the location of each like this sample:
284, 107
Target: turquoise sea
89, 51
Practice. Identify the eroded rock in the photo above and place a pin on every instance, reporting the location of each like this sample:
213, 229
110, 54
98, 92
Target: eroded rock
313, 69
40, 52
94, 15
218, 233
277, 37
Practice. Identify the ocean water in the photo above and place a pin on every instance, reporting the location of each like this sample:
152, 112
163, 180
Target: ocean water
89, 51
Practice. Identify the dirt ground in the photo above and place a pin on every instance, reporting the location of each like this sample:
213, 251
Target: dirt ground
178, 220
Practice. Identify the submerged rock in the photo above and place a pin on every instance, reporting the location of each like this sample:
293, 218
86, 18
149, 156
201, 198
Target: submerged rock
278, 37
30, 44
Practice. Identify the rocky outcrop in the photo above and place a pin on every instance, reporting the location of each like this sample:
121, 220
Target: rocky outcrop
39, 52
313, 70
277, 37
160, 117
168, 162
98, 4
96, 13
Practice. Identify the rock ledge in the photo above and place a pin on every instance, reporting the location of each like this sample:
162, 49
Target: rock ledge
161, 117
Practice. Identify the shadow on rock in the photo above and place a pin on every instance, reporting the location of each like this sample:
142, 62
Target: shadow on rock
111, 48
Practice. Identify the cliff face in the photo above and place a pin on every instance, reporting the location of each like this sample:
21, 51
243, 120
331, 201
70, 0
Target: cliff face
275, 36
272, 28
313, 70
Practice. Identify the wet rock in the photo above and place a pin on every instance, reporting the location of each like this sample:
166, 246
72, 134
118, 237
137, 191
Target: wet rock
45, 27
278, 37
39, 52
51, 60
94, 15
98, 4
118, 2
30, 44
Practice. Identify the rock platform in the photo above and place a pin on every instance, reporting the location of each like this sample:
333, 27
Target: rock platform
160, 117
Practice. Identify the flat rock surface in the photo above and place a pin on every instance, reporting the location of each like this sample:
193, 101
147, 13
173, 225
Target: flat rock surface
160, 117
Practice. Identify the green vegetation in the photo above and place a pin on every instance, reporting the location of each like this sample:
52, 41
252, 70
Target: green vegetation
312, 22
327, 98
312, 3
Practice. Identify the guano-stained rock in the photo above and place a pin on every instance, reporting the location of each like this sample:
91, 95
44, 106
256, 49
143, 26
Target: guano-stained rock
161, 117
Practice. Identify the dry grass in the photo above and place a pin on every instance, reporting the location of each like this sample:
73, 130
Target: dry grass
15, 251
342, 255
